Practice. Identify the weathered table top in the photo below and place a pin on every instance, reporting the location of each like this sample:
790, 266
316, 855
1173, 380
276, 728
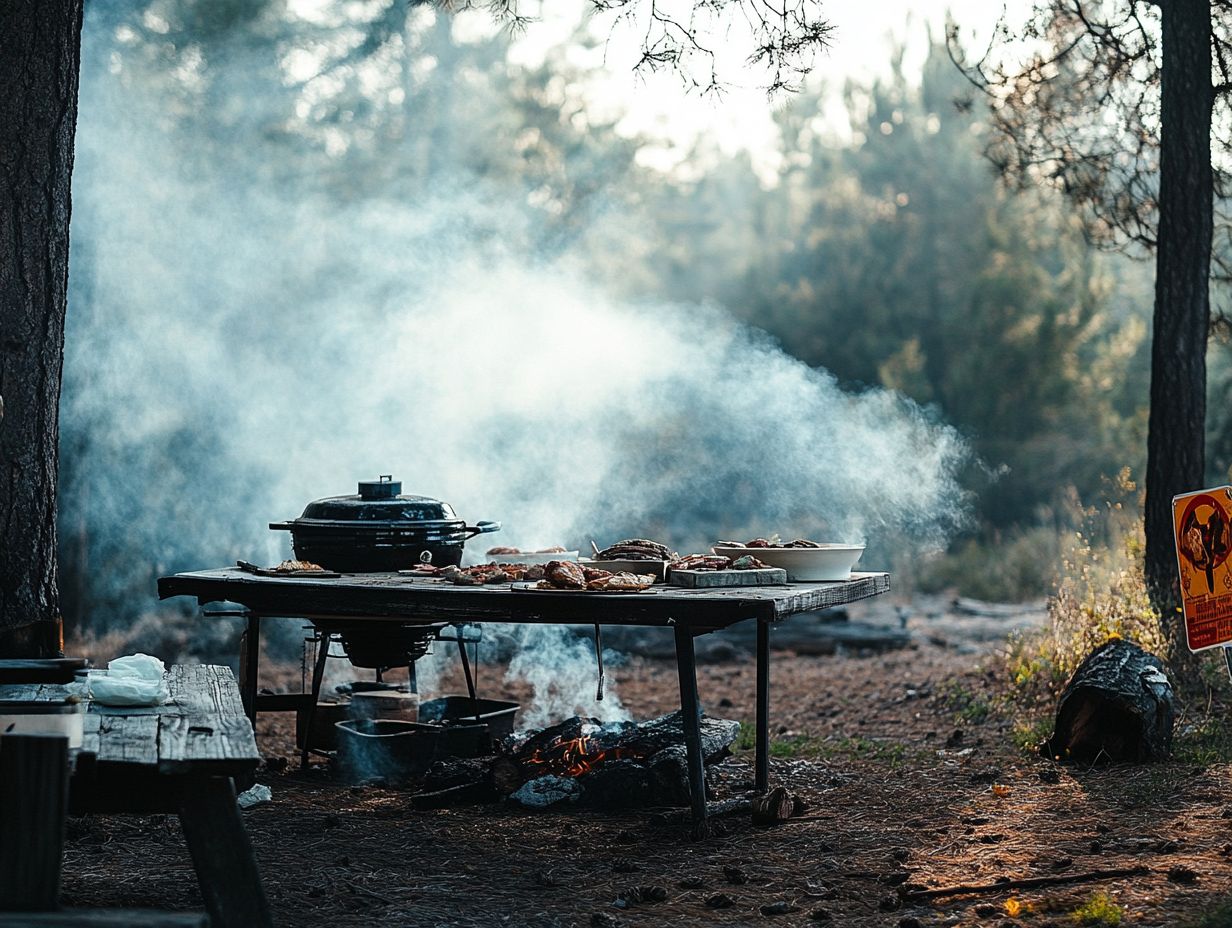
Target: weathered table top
202, 730
386, 596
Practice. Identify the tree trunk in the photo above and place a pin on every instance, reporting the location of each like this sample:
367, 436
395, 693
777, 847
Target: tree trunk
40, 57
1175, 442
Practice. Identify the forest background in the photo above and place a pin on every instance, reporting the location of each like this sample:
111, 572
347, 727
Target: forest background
869, 235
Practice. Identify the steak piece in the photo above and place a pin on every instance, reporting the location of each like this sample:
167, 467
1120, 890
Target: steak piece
565, 575
702, 562
636, 549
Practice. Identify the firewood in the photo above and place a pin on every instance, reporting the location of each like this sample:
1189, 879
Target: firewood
1118, 706
1030, 882
774, 807
463, 794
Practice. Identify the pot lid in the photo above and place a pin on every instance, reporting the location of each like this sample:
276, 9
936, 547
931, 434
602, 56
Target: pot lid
379, 501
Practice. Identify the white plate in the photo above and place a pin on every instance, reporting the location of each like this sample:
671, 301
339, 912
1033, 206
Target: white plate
829, 562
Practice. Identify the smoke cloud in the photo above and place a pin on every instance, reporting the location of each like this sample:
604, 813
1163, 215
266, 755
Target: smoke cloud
238, 348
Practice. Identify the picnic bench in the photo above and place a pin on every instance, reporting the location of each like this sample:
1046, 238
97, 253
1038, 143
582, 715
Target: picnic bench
180, 758
394, 600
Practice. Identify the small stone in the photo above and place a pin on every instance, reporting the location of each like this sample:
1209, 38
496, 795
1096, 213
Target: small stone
1183, 874
820, 915
691, 882
900, 854
991, 839
984, 910
653, 893
720, 901
888, 903
778, 908
984, 777
955, 738
725, 703
1061, 863
1102, 828
1096, 848
893, 878
735, 876
1050, 775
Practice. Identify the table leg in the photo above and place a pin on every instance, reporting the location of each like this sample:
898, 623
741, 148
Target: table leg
691, 711
222, 855
761, 780
318, 677
34, 771
250, 658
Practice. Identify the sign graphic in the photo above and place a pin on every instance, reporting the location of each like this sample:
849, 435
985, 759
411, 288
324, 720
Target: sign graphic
1202, 525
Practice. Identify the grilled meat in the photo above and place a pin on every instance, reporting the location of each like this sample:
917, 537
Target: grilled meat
748, 562
501, 549
636, 549
287, 567
701, 562
621, 581
564, 575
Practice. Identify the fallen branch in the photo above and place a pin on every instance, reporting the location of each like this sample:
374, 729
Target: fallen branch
1024, 883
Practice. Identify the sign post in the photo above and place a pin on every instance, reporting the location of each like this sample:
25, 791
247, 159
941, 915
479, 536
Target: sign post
1202, 529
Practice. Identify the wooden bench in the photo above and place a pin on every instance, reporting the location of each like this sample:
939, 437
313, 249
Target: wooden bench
180, 758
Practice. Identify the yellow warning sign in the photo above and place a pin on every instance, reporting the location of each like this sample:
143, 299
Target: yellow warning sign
1202, 523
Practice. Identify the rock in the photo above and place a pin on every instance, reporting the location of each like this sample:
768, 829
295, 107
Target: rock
735, 876
1182, 874
543, 792
256, 795
778, 908
720, 901
888, 903
691, 882
900, 854
820, 915
1050, 775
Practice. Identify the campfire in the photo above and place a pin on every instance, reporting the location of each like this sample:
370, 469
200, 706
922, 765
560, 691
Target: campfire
574, 757
581, 761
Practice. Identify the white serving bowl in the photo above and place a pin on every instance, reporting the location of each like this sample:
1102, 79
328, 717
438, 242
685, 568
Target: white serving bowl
829, 562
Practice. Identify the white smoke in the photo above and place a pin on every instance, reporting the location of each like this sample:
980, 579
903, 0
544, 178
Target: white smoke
236, 350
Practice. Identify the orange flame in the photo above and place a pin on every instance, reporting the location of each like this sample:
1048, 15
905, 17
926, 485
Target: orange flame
573, 757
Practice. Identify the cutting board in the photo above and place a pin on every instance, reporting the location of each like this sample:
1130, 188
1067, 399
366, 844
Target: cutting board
705, 579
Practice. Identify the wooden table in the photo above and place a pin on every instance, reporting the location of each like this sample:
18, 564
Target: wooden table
178, 758
362, 599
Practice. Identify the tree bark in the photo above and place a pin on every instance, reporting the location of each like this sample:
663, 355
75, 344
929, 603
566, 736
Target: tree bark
1175, 442
40, 57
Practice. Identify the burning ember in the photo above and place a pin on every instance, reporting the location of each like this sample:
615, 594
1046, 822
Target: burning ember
573, 757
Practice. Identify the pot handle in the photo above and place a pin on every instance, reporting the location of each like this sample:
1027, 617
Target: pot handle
282, 526
481, 528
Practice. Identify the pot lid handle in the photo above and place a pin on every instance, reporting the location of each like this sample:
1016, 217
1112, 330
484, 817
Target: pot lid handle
384, 488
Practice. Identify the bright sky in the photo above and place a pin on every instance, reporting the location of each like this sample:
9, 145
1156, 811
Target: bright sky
659, 107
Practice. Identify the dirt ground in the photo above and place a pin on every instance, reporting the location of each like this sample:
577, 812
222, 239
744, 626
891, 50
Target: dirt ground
912, 766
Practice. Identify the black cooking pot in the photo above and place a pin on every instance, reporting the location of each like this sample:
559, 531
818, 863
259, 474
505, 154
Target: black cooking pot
378, 529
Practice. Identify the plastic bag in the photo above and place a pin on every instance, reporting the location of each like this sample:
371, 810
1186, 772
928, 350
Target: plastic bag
134, 680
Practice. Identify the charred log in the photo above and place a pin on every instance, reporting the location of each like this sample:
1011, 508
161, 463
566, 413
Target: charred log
1118, 706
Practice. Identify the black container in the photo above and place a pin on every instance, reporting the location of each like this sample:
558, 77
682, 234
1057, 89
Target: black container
379, 529
497, 714
387, 751
396, 752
